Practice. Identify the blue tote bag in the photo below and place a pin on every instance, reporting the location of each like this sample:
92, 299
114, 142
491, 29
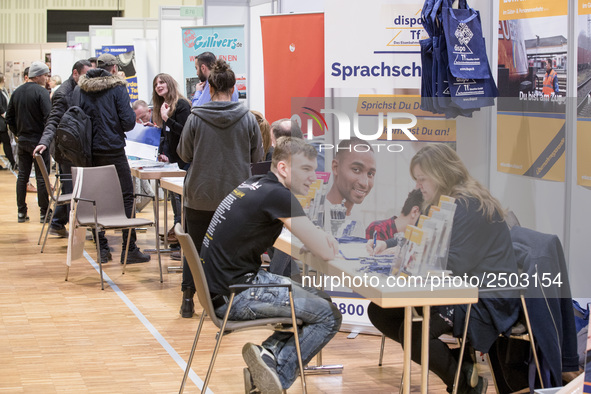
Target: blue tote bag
466, 52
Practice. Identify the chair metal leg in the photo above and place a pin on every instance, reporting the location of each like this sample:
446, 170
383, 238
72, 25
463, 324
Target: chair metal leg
48, 225
188, 367
126, 250
217, 345
462, 347
296, 338
492, 373
98, 256
42, 228
531, 339
382, 350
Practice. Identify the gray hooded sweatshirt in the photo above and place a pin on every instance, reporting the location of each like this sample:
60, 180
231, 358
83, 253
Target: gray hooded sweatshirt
220, 140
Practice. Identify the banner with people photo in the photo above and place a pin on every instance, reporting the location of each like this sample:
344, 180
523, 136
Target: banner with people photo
532, 60
584, 94
125, 55
225, 42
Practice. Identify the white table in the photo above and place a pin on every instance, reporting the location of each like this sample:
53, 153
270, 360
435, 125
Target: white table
386, 296
174, 185
157, 174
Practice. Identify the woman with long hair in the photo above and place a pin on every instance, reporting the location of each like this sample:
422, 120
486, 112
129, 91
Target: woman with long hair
265, 128
170, 113
480, 244
221, 139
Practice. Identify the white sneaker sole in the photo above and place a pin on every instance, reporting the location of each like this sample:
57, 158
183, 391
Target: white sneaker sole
264, 378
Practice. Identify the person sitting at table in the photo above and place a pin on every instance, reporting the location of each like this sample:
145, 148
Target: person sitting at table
411, 210
480, 244
221, 139
264, 204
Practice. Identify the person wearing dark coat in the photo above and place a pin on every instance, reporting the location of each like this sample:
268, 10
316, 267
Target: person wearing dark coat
27, 112
60, 102
480, 244
171, 111
104, 98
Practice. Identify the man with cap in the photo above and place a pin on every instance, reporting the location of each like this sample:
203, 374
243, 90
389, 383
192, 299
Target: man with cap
60, 102
104, 98
27, 112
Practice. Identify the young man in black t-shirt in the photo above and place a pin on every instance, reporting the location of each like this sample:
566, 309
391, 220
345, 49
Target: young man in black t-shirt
246, 223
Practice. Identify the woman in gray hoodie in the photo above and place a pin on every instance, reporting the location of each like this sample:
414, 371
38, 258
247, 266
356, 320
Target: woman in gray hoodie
220, 140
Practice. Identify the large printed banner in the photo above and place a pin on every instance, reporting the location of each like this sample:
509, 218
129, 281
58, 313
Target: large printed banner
532, 88
531, 146
373, 45
125, 55
584, 87
225, 42
293, 55
523, 9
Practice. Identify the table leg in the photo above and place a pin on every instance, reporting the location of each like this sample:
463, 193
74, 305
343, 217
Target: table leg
165, 217
407, 349
179, 268
425, 350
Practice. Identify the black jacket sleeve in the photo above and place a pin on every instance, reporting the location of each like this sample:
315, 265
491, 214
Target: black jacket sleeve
126, 114
59, 106
177, 121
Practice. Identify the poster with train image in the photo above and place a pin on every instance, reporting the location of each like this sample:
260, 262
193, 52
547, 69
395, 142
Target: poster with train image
532, 80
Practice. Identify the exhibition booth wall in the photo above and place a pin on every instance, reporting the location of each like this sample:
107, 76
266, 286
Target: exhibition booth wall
557, 204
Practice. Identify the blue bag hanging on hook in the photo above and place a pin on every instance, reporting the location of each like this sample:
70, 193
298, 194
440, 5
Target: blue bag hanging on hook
472, 93
466, 52
427, 93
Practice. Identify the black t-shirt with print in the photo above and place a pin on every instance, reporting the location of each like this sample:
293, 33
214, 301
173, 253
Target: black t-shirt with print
244, 225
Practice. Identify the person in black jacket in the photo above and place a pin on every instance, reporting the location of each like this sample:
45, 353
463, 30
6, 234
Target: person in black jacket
60, 102
170, 113
480, 245
104, 98
4, 136
27, 111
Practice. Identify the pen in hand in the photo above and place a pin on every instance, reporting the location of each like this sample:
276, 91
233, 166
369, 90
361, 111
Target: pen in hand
375, 240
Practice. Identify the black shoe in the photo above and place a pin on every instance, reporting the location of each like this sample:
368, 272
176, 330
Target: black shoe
106, 255
263, 368
187, 306
62, 232
22, 217
135, 256
470, 372
43, 215
481, 387
3, 168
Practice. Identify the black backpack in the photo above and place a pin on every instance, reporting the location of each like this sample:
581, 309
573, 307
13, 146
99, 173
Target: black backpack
73, 137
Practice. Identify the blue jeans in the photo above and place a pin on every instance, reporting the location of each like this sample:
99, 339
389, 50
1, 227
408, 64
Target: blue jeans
321, 320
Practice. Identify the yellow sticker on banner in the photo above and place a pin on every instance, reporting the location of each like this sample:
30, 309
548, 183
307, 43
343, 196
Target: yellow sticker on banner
583, 157
522, 9
584, 7
531, 146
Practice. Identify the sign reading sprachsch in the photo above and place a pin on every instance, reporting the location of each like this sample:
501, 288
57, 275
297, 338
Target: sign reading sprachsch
379, 45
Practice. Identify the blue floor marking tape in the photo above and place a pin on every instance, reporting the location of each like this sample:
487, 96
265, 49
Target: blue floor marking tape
175, 356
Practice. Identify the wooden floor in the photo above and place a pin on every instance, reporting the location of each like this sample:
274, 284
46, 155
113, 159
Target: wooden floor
58, 336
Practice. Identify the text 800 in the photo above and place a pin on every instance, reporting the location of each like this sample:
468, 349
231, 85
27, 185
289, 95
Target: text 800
350, 309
